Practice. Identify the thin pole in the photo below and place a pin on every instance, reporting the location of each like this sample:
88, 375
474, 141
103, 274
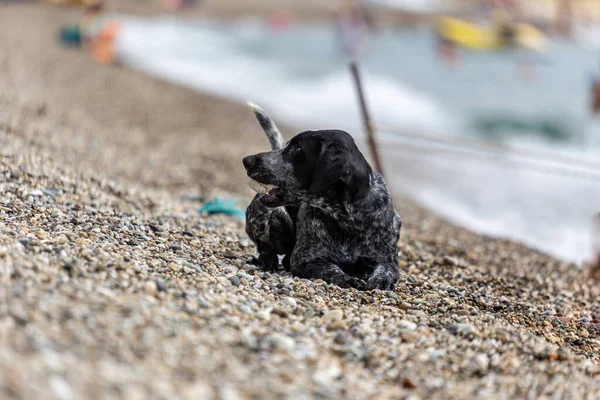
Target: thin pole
366, 117
594, 265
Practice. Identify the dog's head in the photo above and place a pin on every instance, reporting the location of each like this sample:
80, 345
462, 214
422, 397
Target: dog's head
325, 162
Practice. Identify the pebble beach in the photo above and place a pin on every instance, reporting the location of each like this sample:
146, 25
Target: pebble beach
113, 286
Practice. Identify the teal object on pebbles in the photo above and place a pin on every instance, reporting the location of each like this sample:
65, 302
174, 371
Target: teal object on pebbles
224, 206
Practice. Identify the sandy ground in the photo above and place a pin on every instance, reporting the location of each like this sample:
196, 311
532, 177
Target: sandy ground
112, 286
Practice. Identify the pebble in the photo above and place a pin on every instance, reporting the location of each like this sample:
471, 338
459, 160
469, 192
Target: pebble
283, 342
150, 288
333, 315
243, 275
223, 281
407, 325
280, 312
198, 390
482, 362
290, 301
160, 285
464, 329
61, 388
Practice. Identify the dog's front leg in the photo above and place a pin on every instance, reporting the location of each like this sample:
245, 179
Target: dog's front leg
326, 270
384, 277
267, 261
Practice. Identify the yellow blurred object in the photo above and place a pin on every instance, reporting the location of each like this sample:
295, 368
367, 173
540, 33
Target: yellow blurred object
489, 38
469, 35
530, 37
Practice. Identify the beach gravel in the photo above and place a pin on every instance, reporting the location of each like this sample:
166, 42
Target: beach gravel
113, 286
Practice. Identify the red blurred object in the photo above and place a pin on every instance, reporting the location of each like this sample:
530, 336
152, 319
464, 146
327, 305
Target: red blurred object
178, 4
173, 4
281, 21
596, 98
448, 52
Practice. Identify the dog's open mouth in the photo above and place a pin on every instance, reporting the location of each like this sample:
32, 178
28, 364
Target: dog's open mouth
269, 192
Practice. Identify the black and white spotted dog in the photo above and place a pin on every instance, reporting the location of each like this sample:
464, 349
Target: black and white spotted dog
321, 205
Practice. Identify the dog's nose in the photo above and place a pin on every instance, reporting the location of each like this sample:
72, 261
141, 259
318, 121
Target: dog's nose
249, 161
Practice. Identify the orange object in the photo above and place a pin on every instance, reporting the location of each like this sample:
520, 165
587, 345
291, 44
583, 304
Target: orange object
102, 48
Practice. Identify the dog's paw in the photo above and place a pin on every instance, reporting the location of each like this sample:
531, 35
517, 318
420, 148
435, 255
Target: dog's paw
352, 282
268, 262
381, 282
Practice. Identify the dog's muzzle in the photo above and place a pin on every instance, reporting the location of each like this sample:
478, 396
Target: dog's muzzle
269, 193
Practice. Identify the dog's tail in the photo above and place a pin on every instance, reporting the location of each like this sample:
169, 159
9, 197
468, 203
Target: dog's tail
269, 127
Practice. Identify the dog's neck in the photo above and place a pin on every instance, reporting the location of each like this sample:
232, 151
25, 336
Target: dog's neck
356, 189
339, 202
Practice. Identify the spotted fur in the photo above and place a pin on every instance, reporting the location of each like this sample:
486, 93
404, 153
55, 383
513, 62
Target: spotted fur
332, 216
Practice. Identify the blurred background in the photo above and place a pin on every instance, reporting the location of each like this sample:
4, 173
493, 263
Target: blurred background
486, 112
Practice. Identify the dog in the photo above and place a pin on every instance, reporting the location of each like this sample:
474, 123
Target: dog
320, 205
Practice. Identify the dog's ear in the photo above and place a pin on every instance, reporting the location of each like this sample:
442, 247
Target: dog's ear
358, 177
330, 167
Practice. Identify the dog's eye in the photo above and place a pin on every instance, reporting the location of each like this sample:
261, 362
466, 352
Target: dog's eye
293, 149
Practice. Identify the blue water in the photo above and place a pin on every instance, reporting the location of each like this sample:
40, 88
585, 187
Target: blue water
301, 78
